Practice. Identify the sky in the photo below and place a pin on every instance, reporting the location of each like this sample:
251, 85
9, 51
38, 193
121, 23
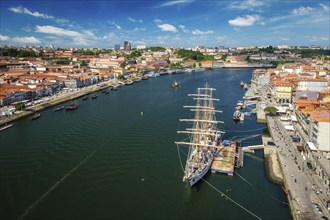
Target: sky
176, 23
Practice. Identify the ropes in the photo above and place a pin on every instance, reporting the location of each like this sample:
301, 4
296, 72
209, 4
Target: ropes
222, 194
233, 201
260, 190
246, 130
53, 187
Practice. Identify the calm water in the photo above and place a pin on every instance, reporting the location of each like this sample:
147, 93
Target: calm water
106, 161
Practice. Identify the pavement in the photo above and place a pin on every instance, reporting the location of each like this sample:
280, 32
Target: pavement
308, 195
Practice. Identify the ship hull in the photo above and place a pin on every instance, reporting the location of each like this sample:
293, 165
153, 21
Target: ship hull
193, 180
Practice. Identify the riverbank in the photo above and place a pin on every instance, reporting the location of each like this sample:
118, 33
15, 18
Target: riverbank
57, 100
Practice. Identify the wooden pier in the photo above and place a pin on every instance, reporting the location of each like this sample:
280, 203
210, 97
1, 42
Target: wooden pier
224, 161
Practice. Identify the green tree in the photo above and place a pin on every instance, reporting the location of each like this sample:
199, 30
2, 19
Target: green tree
271, 110
27, 53
12, 52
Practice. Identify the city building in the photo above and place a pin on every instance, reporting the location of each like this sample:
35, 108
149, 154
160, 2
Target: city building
117, 47
127, 46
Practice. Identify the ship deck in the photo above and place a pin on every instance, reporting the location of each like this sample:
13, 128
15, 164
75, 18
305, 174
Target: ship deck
226, 163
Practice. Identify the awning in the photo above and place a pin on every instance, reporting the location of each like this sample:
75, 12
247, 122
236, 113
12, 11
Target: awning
289, 127
311, 146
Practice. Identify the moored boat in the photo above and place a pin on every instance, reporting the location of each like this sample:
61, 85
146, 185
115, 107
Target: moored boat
35, 116
94, 96
6, 126
72, 106
241, 83
58, 108
145, 77
237, 115
204, 136
85, 98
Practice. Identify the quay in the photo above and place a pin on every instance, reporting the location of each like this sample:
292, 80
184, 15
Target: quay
224, 160
57, 99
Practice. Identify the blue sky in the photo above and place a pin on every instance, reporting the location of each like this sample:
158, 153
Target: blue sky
178, 23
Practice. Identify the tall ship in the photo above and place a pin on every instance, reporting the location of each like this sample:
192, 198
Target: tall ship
204, 135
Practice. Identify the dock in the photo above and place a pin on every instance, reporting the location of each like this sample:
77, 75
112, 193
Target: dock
224, 160
240, 158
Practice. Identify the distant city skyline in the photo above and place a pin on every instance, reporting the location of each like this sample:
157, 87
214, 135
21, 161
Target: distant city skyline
178, 23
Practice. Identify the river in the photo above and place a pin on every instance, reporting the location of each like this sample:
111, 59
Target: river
106, 160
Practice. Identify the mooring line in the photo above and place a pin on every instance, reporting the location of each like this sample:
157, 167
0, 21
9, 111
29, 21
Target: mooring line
236, 203
52, 188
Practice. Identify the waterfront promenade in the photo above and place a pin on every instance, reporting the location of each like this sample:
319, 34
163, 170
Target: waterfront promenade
58, 99
297, 181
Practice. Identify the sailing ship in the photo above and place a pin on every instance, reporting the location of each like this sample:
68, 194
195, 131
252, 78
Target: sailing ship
204, 136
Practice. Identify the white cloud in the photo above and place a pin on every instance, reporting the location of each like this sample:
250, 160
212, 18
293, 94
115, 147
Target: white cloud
302, 10
4, 38
22, 10
198, 32
60, 20
167, 27
26, 40
157, 21
27, 28
134, 20
117, 26
317, 39
325, 7
175, 2
19, 40
248, 20
183, 28
82, 38
48, 29
247, 4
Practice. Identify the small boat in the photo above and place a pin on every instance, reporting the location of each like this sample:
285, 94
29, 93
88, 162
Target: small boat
241, 83
72, 106
174, 84
35, 116
58, 108
107, 91
138, 79
115, 88
6, 126
129, 82
245, 86
145, 77
237, 115
94, 96
85, 98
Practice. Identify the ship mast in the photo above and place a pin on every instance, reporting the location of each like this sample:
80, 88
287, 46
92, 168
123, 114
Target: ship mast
197, 126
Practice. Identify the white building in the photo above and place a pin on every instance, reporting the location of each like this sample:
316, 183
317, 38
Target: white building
313, 84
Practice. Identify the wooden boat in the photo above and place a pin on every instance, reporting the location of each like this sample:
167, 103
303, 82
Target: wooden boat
72, 106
